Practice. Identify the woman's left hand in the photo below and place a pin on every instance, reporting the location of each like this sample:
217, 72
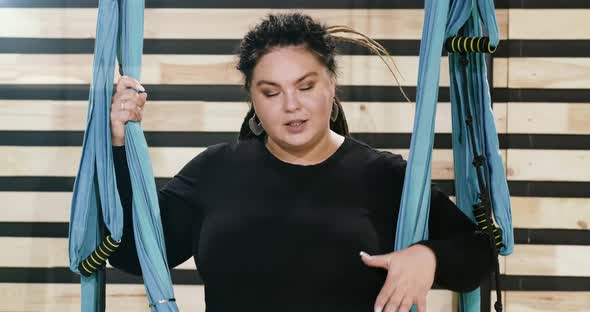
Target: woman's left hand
409, 278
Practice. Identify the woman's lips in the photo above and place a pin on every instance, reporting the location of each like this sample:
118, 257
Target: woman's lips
296, 126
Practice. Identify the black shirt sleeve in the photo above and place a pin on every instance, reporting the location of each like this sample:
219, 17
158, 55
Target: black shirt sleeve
463, 254
177, 210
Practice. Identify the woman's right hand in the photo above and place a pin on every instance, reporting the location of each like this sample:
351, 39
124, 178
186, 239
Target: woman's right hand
127, 104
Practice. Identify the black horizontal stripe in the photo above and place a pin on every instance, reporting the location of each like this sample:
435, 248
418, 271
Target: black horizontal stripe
301, 4
396, 47
180, 46
549, 189
517, 188
543, 283
376, 140
552, 237
541, 95
230, 4
521, 236
236, 93
214, 93
545, 141
542, 4
34, 229
544, 48
63, 275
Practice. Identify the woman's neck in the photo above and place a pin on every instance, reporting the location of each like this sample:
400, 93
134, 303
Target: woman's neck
313, 153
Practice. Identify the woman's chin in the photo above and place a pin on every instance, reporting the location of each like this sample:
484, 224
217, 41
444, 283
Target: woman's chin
296, 139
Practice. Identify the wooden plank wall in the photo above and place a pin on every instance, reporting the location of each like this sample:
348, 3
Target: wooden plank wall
541, 75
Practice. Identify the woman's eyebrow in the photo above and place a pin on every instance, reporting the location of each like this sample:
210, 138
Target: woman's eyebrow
276, 84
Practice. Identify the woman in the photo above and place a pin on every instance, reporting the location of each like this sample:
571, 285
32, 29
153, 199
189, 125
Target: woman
277, 220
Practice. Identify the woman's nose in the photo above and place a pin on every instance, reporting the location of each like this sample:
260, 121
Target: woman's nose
291, 102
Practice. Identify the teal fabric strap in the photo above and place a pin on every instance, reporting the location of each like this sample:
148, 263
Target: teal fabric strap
444, 19
119, 33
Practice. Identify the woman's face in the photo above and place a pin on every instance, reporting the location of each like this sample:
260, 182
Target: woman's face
289, 86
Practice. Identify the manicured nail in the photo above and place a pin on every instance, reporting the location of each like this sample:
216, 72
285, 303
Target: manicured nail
364, 254
378, 309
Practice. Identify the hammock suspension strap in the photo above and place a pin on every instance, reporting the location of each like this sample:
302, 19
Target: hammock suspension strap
482, 210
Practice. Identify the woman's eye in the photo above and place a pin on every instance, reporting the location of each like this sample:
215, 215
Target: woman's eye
270, 95
306, 88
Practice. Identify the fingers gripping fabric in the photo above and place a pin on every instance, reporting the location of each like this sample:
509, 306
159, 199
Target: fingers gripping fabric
119, 34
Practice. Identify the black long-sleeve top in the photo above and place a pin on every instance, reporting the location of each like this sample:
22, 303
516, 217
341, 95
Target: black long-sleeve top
271, 235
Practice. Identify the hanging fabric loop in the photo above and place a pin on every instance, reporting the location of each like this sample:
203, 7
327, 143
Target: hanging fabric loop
443, 20
95, 199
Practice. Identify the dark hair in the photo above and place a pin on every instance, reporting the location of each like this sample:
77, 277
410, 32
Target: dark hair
285, 29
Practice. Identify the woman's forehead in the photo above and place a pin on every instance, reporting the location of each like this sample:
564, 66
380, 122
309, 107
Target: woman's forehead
287, 66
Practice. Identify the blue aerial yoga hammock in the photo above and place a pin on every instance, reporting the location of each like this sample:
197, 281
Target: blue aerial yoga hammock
474, 131
95, 199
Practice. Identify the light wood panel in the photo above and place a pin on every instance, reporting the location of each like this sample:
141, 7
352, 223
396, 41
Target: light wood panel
64, 161
549, 260
43, 252
550, 212
210, 69
389, 117
549, 24
555, 118
36, 206
229, 23
545, 301
549, 72
548, 165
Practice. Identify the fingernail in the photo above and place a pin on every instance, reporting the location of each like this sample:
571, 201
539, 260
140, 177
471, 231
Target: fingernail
378, 309
364, 254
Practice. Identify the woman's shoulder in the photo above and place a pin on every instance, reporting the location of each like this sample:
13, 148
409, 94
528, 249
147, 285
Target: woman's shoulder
226, 151
377, 158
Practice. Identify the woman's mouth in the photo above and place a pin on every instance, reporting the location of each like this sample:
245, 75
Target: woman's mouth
296, 126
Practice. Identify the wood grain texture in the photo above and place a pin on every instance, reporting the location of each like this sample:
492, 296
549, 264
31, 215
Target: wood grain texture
544, 301
550, 212
548, 24
229, 23
549, 72
555, 118
548, 165
549, 260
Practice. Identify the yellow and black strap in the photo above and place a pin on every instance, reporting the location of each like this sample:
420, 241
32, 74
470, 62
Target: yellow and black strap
98, 257
482, 225
469, 44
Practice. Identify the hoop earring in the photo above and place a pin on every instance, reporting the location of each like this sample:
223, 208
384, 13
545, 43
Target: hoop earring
335, 111
256, 128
